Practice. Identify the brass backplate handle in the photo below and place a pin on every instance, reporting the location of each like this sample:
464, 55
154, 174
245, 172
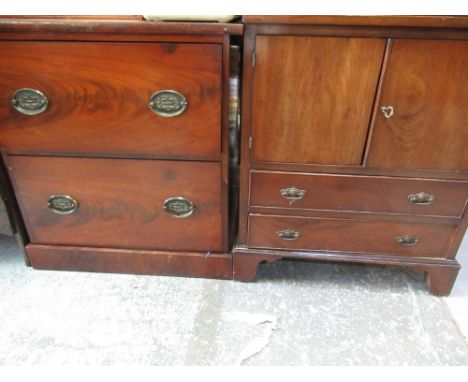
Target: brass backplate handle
407, 240
178, 207
62, 204
288, 234
168, 103
387, 111
292, 194
29, 101
421, 199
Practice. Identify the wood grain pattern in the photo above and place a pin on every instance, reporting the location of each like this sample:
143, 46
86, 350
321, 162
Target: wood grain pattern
99, 95
358, 193
439, 278
440, 273
359, 170
120, 202
380, 21
426, 82
343, 235
314, 96
189, 264
111, 25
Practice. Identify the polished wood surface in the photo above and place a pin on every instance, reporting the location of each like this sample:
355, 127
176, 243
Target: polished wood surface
188, 264
355, 205
426, 82
358, 193
440, 273
311, 94
120, 202
361, 236
380, 21
99, 93
112, 25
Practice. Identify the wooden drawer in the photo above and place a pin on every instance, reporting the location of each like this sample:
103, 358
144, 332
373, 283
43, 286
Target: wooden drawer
359, 193
99, 93
120, 202
346, 235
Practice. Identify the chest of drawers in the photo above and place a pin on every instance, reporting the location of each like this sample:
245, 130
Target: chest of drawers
354, 142
115, 136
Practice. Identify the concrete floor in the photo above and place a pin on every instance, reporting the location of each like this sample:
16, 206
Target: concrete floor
293, 314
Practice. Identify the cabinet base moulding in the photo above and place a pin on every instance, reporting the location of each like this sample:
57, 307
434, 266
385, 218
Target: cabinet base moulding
440, 273
187, 264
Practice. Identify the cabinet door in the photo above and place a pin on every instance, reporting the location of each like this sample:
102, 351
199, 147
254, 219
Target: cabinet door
425, 101
312, 98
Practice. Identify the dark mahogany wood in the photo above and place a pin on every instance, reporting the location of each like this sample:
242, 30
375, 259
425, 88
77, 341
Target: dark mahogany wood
112, 25
440, 274
380, 21
354, 208
358, 193
430, 98
99, 94
98, 73
308, 92
189, 264
359, 170
346, 235
439, 278
120, 202
245, 264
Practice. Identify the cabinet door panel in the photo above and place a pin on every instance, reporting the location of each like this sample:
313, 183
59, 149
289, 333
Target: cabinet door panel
312, 98
426, 84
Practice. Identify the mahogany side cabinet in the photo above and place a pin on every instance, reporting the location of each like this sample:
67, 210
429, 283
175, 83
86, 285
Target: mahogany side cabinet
114, 133
354, 142
118, 142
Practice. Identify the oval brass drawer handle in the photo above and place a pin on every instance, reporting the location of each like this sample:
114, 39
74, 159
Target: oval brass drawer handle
407, 240
168, 103
29, 101
179, 207
288, 234
292, 193
421, 199
62, 204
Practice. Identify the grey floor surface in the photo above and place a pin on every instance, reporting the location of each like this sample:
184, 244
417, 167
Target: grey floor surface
293, 314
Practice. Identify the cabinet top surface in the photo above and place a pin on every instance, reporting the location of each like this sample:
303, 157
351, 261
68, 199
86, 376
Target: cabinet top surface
382, 21
112, 24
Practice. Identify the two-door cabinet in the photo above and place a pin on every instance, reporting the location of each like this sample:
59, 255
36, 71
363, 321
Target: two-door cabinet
355, 141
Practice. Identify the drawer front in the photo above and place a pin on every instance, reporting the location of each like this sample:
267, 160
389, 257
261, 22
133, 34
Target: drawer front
346, 235
358, 193
119, 203
98, 97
